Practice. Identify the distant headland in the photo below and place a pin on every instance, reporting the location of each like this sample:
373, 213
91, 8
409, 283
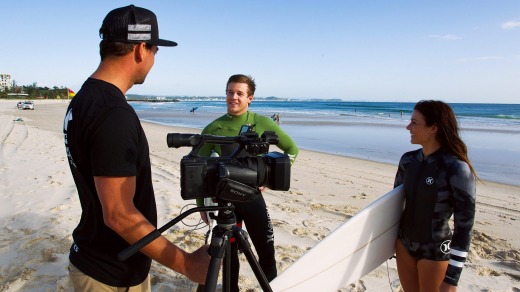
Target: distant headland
153, 98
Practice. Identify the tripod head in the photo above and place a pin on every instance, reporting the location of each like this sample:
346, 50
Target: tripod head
226, 217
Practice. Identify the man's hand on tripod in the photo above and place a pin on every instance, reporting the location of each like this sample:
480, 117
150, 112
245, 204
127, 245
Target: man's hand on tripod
197, 264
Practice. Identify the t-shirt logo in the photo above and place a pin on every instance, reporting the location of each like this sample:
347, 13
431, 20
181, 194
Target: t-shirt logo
66, 121
429, 181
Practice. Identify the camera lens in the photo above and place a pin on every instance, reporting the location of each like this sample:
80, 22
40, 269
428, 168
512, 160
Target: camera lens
176, 140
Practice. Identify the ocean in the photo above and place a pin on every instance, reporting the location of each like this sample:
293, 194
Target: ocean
368, 130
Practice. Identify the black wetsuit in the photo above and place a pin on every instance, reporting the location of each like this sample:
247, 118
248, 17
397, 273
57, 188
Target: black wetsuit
436, 188
254, 214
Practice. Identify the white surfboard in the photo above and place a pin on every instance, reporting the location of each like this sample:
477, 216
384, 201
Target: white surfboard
351, 251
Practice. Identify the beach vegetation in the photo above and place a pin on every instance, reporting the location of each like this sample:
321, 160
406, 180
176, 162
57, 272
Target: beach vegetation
34, 91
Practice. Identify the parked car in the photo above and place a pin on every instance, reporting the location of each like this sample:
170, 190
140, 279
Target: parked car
28, 105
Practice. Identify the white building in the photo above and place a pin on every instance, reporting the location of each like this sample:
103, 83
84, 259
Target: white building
6, 82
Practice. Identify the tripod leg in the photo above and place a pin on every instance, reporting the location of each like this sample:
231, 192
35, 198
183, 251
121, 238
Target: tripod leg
240, 236
212, 275
219, 244
226, 269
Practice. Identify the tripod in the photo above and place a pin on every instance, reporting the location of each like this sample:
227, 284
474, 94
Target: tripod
220, 249
224, 230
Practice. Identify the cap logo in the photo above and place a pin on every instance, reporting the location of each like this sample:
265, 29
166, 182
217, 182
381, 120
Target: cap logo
139, 28
139, 36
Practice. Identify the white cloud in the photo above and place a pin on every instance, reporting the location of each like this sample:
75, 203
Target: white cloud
445, 37
511, 24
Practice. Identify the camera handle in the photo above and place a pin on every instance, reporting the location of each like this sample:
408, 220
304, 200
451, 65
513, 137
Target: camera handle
132, 249
220, 248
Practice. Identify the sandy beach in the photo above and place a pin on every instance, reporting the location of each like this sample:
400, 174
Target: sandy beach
39, 208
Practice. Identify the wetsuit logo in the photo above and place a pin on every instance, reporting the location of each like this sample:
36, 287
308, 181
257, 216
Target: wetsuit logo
445, 246
270, 230
429, 180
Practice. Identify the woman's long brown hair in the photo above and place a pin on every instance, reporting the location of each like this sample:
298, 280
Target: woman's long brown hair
441, 114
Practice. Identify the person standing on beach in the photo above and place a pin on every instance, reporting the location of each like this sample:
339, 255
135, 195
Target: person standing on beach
109, 159
240, 90
439, 181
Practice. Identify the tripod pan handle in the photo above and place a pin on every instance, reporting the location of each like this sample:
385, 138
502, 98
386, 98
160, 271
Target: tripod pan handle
131, 250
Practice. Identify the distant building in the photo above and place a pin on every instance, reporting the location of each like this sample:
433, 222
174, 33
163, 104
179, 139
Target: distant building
6, 82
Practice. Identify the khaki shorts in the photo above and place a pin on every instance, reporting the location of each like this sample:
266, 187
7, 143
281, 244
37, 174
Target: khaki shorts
82, 282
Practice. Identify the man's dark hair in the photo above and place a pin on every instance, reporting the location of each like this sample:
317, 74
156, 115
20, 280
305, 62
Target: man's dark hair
240, 78
119, 49
107, 48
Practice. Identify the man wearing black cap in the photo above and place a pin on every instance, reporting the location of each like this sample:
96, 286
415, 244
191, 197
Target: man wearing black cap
109, 159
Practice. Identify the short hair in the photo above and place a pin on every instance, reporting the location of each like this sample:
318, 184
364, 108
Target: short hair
240, 78
107, 48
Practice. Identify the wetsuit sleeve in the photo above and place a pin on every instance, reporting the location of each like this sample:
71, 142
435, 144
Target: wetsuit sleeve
285, 142
399, 176
288, 146
463, 186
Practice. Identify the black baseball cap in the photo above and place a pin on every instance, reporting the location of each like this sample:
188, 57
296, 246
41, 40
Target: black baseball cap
131, 24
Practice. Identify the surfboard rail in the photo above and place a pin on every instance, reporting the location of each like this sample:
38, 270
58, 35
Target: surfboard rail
351, 251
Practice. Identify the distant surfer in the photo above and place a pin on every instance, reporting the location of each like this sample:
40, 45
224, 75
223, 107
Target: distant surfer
276, 118
193, 109
439, 181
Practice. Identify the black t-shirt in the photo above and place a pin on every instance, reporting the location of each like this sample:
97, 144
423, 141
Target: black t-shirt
104, 137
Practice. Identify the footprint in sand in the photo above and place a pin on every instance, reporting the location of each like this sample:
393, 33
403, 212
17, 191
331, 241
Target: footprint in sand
300, 232
362, 196
485, 271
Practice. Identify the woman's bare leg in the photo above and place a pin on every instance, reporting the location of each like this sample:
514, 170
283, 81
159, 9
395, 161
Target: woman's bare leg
406, 268
431, 274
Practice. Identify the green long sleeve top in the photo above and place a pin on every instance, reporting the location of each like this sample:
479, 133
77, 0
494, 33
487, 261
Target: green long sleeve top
229, 126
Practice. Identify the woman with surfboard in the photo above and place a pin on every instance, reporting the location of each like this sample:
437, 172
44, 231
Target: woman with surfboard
439, 181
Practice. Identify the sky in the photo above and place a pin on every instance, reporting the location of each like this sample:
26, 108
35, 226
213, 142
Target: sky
455, 51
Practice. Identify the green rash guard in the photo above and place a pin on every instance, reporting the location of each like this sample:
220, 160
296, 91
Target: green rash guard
229, 126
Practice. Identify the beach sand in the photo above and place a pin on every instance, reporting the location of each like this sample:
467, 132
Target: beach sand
39, 208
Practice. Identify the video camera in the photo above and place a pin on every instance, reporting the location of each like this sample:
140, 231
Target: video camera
231, 178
